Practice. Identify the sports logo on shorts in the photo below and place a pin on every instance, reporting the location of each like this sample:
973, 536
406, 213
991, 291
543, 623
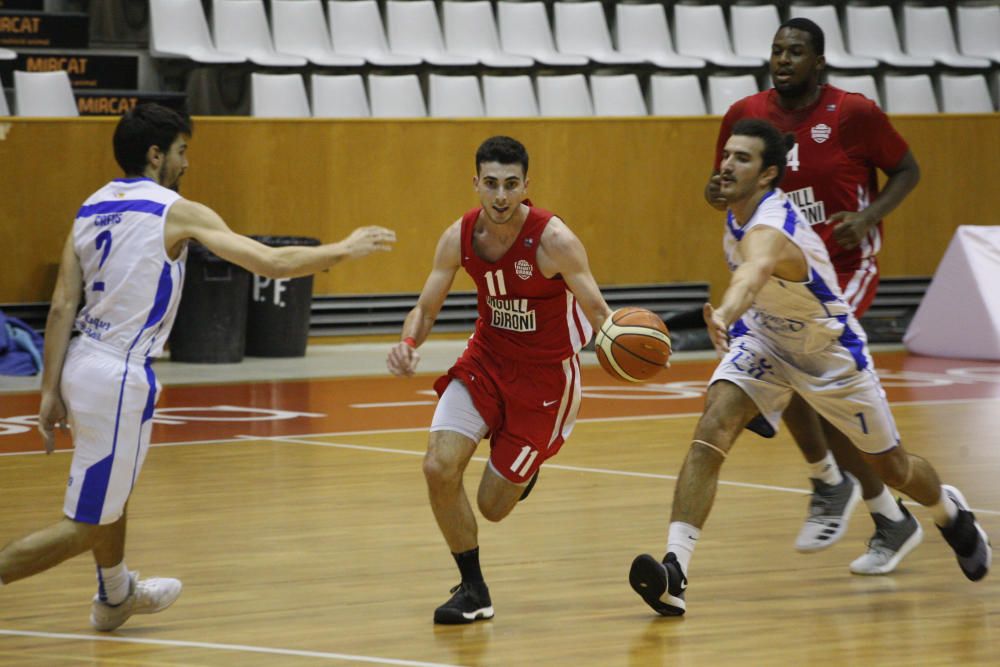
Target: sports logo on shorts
523, 269
820, 133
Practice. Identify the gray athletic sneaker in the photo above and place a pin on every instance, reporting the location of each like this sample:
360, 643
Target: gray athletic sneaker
146, 596
889, 544
830, 509
967, 538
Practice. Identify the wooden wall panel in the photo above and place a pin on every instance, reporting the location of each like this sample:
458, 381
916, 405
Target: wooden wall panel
631, 188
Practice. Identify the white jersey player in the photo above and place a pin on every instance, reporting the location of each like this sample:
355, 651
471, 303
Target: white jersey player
784, 327
124, 259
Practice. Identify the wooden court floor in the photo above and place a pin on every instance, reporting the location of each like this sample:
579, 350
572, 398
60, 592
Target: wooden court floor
295, 513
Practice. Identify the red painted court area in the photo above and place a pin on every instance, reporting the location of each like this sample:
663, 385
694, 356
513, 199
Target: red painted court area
299, 407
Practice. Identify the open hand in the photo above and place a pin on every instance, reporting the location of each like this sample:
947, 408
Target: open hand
51, 415
717, 329
366, 240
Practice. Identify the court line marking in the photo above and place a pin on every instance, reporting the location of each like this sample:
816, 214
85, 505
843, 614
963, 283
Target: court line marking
242, 648
554, 466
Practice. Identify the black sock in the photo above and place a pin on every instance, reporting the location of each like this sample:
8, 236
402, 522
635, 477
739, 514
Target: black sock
468, 565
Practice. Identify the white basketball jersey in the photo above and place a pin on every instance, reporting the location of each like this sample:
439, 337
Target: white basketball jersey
799, 317
131, 287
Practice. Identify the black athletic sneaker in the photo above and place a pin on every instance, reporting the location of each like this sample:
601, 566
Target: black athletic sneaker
967, 538
469, 602
661, 585
531, 485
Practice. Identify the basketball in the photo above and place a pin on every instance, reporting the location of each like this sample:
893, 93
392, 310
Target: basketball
633, 345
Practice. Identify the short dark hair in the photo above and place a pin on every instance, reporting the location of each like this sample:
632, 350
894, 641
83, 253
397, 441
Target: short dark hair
809, 26
144, 126
504, 150
776, 143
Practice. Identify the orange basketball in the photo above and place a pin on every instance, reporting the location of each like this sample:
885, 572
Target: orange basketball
633, 345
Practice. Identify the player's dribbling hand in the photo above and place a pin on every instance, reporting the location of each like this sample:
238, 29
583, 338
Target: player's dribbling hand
714, 193
402, 360
850, 228
51, 415
717, 329
366, 240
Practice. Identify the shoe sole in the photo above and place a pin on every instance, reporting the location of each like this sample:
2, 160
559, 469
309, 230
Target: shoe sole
909, 545
483, 614
963, 503
852, 502
648, 578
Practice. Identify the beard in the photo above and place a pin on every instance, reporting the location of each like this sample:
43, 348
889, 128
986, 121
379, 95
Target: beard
793, 90
162, 177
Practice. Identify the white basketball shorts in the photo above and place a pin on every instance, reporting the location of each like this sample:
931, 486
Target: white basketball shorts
110, 405
850, 398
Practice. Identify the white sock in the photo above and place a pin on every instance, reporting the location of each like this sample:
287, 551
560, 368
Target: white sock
944, 511
826, 470
113, 583
681, 541
885, 505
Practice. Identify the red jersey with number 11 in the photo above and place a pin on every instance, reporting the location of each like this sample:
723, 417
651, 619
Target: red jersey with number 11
840, 140
523, 316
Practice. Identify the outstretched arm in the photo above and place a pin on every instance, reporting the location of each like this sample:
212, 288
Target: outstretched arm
188, 219
403, 357
766, 252
853, 226
58, 327
560, 251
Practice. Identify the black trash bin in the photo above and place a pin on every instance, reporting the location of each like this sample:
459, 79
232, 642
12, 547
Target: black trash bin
211, 321
278, 313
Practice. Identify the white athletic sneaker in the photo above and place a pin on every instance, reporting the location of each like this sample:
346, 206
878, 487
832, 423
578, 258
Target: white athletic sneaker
830, 509
889, 544
146, 596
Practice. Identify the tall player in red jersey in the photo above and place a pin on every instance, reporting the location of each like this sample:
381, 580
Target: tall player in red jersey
842, 140
519, 377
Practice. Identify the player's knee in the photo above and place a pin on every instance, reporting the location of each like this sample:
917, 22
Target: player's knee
439, 471
491, 510
893, 468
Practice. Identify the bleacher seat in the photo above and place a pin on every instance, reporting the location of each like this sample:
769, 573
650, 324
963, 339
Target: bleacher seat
356, 30
240, 26
524, 30
642, 32
414, 30
909, 93
979, 31
871, 31
7, 54
40, 94
701, 33
509, 96
617, 95
339, 96
278, 96
857, 83
396, 96
825, 16
299, 29
753, 29
582, 30
965, 94
470, 30
676, 95
927, 33
723, 90
178, 29
455, 96
563, 95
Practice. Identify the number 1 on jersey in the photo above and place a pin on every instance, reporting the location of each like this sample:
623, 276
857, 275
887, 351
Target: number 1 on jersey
500, 289
103, 243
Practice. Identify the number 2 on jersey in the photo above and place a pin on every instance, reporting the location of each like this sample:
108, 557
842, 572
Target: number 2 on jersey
500, 289
103, 244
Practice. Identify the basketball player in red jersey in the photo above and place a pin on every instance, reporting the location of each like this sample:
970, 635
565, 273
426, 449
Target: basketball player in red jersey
519, 377
842, 139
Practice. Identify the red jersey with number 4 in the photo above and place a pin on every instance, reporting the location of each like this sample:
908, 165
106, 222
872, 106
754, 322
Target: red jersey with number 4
523, 316
840, 141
